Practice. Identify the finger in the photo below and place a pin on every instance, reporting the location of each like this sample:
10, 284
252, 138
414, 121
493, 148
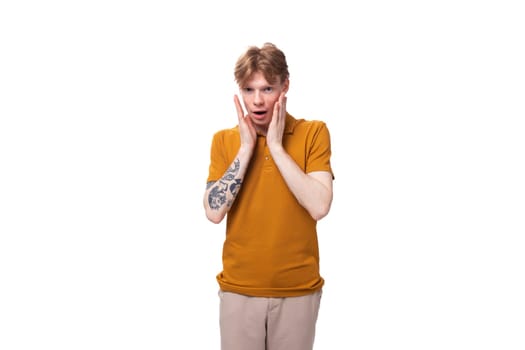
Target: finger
277, 108
240, 111
282, 101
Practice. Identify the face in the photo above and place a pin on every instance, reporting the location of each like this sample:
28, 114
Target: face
259, 96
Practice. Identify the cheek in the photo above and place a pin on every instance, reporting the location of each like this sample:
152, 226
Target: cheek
273, 102
245, 100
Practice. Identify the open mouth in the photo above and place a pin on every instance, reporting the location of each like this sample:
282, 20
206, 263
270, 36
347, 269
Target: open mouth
259, 113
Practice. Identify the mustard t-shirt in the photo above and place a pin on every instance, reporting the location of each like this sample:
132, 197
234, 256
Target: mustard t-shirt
271, 247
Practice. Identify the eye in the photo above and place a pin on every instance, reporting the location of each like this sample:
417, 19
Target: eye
247, 89
268, 89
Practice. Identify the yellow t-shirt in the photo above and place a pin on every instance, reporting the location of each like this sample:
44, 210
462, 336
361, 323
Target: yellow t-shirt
271, 247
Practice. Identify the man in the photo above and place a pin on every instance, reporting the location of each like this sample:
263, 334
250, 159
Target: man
271, 177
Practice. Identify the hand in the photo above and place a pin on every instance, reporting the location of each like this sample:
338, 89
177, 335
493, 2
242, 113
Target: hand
246, 128
274, 136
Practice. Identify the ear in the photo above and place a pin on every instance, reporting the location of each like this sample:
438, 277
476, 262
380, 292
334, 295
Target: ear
286, 85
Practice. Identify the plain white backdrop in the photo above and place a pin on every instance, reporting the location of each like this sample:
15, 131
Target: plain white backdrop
107, 110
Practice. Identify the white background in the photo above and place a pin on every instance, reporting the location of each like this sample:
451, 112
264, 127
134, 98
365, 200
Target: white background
107, 112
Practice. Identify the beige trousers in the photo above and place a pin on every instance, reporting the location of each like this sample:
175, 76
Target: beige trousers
255, 323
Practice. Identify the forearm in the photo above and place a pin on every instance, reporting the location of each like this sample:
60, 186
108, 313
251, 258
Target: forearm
220, 195
313, 191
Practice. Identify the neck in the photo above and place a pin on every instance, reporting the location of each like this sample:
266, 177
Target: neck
261, 130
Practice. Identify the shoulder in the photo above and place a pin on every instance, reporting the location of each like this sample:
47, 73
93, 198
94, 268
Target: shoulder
226, 133
309, 126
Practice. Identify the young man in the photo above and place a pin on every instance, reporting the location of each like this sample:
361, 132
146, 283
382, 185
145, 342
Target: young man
271, 177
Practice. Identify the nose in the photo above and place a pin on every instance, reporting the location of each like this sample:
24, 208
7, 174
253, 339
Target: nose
258, 100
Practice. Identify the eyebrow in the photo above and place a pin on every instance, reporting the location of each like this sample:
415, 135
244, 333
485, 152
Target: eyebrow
261, 87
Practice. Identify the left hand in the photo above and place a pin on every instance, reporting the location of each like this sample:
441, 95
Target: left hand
274, 136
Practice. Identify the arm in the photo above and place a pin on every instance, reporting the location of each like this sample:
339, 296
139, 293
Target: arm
220, 195
312, 190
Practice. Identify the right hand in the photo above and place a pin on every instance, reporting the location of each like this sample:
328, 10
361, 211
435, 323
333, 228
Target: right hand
246, 128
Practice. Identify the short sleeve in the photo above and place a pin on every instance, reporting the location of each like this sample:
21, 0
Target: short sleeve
217, 165
320, 151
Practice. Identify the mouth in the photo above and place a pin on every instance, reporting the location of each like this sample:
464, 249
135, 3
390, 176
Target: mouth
259, 114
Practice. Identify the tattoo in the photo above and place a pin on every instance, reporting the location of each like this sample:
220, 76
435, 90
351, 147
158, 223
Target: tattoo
232, 171
235, 186
218, 194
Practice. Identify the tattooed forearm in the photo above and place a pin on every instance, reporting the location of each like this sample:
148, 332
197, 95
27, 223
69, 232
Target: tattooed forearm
218, 195
235, 186
232, 171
